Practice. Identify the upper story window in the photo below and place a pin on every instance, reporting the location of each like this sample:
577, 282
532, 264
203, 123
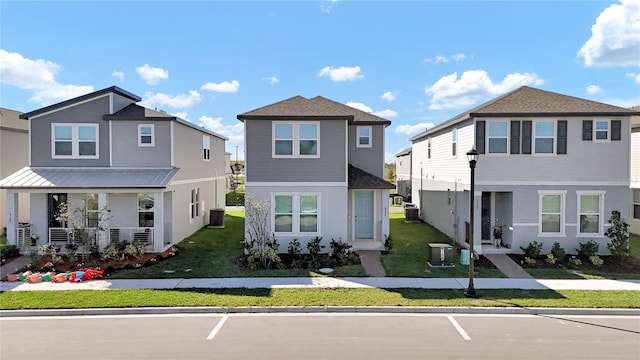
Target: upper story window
364, 136
74, 141
497, 136
206, 147
544, 137
601, 131
195, 203
146, 135
454, 142
295, 139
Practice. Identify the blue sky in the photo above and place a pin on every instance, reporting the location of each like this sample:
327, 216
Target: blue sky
416, 63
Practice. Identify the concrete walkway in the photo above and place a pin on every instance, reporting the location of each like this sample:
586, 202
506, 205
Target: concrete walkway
370, 260
508, 267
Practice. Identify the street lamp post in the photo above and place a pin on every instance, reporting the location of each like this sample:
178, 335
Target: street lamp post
472, 156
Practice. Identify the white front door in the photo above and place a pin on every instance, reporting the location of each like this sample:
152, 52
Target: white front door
363, 214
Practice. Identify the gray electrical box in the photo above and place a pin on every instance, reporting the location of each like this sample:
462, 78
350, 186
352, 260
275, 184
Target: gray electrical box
440, 255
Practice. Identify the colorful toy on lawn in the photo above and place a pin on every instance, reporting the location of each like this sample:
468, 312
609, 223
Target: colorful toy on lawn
83, 274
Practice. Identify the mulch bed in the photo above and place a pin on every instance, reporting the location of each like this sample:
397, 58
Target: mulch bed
609, 265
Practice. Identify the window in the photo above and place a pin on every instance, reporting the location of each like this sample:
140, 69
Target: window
295, 139
544, 137
145, 210
296, 213
206, 147
551, 213
454, 142
74, 141
195, 203
91, 210
590, 213
497, 137
601, 132
364, 136
146, 135
429, 148
636, 204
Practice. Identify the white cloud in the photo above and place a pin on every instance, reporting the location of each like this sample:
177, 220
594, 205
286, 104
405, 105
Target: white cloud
409, 130
235, 132
223, 87
389, 96
441, 59
387, 113
446, 59
152, 75
37, 76
614, 37
458, 57
181, 114
634, 76
271, 80
593, 89
343, 73
451, 92
326, 6
118, 74
175, 101
360, 106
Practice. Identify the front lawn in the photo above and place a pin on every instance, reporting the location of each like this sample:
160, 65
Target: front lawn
408, 256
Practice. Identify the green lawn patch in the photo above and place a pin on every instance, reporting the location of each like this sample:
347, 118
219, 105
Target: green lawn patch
82, 299
408, 256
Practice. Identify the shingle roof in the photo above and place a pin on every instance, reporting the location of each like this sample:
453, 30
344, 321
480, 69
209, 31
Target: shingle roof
404, 152
98, 178
317, 107
528, 101
113, 89
360, 179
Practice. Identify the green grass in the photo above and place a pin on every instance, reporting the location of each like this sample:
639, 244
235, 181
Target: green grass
408, 256
213, 253
80, 299
634, 245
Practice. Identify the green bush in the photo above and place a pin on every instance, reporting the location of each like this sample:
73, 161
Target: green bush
532, 250
619, 235
558, 252
235, 199
9, 251
588, 249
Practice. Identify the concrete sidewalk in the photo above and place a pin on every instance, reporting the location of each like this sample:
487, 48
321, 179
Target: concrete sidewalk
329, 282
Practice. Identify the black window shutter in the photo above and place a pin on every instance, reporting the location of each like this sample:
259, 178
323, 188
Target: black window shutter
562, 136
515, 137
526, 137
587, 130
616, 129
480, 129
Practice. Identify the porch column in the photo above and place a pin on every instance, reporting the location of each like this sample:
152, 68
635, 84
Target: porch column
12, 217
158, 221
103, 206
477, 222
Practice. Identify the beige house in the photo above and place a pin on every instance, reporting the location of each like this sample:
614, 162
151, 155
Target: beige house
14, 155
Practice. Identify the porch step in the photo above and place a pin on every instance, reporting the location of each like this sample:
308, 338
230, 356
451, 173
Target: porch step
509, 267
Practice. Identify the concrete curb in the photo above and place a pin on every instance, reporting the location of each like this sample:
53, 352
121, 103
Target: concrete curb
321, 310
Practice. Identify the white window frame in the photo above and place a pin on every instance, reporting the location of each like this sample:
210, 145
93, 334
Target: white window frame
92, 214
369, 137
206, 148
454, 142
553, 138
295, 153
563, 195
152, 210
296, 214
595, 130
600, 195
194, 203
152, 135
505, 137
75, 141
635, 200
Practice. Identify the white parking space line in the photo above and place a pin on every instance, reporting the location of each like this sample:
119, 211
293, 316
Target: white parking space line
459, 328
217, 328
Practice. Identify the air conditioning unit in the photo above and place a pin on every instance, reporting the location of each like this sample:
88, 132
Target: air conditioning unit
440, 255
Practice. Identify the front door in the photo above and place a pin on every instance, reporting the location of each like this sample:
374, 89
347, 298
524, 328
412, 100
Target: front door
54, 203
486, 216
363, 215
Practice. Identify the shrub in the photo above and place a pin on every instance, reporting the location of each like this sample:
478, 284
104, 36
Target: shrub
596, 260
551, 259
575, 261
294, 247
532, 250
558, 251
588, 249
9, 251
619, 235
136, 249
388, 243
340, 253
529, 261
315, 248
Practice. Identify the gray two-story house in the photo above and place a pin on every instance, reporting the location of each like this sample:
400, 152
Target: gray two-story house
319, 165
551, 168
124, 172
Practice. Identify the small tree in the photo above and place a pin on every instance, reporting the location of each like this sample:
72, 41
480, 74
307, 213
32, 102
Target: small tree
260, 245
618, 232
81, 222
